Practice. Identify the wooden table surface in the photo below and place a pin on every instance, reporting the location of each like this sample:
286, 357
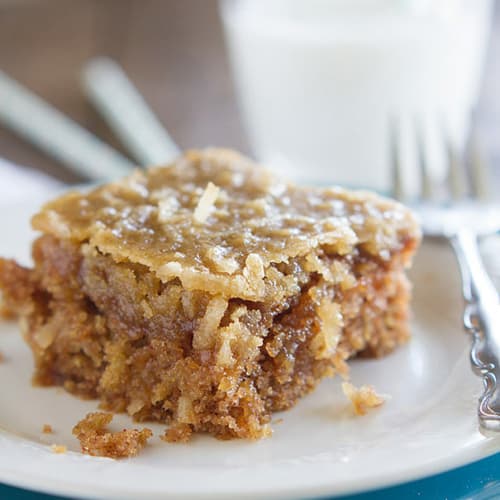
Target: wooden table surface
173, 51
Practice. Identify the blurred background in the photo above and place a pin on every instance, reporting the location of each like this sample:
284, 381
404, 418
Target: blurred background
173, 51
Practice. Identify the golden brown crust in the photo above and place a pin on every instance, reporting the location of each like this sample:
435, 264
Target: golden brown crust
253, 223
96, 440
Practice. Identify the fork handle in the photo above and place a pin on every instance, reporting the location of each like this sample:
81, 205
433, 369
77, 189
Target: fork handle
482, 320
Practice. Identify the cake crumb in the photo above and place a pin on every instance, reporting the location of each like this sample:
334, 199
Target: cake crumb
180, 433
96, 440
47, 429
59, 448
362, 398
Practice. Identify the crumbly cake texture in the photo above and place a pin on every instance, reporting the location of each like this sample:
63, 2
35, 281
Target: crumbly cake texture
208, 293
47, 429
96, 440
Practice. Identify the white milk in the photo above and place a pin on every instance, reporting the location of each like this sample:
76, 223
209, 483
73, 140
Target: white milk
321, 80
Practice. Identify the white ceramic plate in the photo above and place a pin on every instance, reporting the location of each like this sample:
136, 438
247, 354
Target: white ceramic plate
427, 426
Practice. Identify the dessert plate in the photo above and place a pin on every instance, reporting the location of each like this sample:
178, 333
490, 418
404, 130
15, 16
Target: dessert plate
427, 425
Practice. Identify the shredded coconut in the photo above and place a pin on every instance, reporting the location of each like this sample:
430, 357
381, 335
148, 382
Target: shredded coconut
203, 336
206, 203
326, 340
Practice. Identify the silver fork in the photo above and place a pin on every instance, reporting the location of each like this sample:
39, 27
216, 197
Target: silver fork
462, 221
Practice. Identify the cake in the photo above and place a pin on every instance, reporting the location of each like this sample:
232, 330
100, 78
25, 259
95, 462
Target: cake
209, 293
96, 440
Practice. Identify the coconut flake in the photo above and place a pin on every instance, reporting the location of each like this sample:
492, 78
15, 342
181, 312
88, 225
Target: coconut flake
206, 203
204, 335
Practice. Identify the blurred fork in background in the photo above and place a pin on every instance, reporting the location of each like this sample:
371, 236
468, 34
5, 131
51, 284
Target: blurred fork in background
124, 109
120, 104
456, 211
59, 136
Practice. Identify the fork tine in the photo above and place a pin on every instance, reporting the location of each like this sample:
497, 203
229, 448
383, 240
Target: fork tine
396, 172
427, 190
457, 179
479, 169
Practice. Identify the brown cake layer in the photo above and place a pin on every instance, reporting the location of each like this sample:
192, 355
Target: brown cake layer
208, 294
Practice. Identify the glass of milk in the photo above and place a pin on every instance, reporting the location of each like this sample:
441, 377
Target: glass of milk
323, 82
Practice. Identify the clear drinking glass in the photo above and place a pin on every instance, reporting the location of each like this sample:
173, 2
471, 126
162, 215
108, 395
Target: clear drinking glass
321, 81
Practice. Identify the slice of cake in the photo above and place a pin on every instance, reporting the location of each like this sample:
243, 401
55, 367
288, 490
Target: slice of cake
208, 293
